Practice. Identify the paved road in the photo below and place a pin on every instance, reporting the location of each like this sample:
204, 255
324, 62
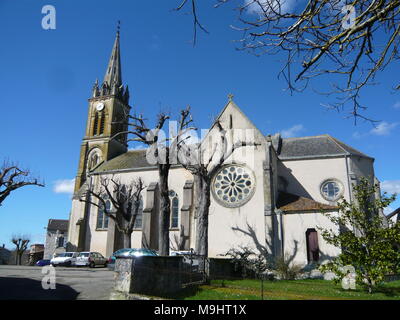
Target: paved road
24, 282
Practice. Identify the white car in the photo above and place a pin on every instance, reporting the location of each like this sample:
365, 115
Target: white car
64, 259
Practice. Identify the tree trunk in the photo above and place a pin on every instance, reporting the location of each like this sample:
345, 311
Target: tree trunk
127, 239
202, 217
165, 211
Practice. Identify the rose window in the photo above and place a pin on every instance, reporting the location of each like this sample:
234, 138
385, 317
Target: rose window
331, 190
233, 185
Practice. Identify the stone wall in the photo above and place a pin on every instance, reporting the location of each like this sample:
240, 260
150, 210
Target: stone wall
148, 275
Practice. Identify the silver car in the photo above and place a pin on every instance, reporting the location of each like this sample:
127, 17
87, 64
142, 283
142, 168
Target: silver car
91, 259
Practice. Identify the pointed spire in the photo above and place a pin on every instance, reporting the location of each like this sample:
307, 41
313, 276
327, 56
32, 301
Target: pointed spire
113, 75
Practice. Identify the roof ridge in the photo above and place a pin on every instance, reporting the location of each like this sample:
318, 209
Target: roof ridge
335, 141
306, 137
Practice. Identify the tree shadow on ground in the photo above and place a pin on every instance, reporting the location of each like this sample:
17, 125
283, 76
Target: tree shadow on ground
29, 289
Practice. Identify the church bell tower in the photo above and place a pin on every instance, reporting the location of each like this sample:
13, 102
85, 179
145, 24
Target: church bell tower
107, 116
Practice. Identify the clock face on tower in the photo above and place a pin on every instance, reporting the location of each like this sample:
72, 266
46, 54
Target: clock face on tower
100, 106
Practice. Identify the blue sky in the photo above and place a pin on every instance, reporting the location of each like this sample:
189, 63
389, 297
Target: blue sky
47, 76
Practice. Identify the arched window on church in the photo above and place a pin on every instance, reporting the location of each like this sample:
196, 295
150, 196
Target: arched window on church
61, 241
94, 159
102, 217
174, 222
139, 218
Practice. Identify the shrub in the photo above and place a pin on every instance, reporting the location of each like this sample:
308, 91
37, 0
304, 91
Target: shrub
285, 269
367, 241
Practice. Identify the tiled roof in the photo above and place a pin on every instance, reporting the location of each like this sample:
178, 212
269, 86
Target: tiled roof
291, 202
316, 146
127, 160
55, 224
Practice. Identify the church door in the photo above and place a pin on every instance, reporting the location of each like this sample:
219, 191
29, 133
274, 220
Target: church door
312, 245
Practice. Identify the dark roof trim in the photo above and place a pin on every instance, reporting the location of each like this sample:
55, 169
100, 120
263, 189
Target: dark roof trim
390, 215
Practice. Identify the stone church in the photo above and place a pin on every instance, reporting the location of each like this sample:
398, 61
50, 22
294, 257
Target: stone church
268, 197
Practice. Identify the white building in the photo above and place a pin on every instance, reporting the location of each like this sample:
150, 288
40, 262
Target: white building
274, 200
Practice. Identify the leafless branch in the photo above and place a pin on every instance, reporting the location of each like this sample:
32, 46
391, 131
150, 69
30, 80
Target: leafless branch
13, 178
196, 22
323, 37
124, 197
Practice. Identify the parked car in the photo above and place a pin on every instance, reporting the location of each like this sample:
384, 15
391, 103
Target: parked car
91, 259
129, 252
64, 259
189, 257
42, 263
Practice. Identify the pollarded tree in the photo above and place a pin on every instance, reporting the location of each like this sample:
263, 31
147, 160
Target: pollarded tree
350, 41
13, 178
368, 242
21, 244
119, 201
204, 160
160, 152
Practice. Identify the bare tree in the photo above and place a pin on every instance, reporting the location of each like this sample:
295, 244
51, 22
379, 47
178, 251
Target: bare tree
350, 41
13, 178
161, 152
21, 244
204, 161
118, 201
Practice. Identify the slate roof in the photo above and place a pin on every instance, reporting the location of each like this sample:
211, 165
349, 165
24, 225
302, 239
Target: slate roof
316, 146
127, 160
55, 224
290, 148
290, 202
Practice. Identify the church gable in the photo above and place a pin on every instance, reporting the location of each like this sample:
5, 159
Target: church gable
232, 117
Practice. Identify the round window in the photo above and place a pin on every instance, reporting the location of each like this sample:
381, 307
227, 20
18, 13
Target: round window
233, 185
331, 190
